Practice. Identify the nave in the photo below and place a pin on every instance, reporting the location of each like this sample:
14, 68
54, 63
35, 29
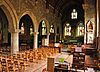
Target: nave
49, 36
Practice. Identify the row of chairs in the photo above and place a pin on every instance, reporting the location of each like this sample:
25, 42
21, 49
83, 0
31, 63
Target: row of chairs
20, 61
5, 50
9, 65
36, 54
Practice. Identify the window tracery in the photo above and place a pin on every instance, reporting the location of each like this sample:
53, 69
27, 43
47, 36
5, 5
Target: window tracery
52, 29
74, 14
43, 28
67, 30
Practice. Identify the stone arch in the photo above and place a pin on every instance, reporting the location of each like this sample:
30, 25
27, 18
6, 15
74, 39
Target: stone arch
10, 12
46, 36
47, 24
32, 17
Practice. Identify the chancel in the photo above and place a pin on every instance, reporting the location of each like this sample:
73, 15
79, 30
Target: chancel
49, 36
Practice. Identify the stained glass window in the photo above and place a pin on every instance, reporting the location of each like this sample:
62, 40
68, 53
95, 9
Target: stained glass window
43, 28
80, 29
31, 30
22, 28
74, 14
67, 30
52, 29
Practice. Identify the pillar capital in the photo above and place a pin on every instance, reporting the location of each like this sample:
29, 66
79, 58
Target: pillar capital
17, 30
48, 33
35, 33
56, 34
14, 31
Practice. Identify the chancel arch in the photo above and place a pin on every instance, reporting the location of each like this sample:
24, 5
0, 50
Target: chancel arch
26, 34
71, 29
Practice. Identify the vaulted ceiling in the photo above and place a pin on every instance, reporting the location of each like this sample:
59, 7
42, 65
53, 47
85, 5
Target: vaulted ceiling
64, 7
61, 5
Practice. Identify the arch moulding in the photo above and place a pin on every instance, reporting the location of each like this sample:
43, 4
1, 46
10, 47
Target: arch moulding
47, 24
11, 14
32, 16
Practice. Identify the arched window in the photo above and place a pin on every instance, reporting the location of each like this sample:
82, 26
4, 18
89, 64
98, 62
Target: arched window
90, 32
80, 29
22, 28
43, 28
52, 29
67, 30
90, 27
74, 14
31, 30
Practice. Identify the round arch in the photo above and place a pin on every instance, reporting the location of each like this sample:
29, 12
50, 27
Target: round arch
32, 17
11, 14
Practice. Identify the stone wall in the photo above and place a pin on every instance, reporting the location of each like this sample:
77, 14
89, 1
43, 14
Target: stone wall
99, 26
38, 8
90, 15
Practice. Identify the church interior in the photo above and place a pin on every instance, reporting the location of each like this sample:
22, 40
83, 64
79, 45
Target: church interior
49, 36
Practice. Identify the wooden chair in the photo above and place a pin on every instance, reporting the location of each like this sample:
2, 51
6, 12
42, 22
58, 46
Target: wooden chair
78, 60
16, 66
3, 65
10, 69
23, 66
31, 59
18, 56
0, 65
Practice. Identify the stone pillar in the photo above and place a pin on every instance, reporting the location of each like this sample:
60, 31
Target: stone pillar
48, 38
85, 7
35, 39
14, 42
98, 46
98, 16
98, 25
55, 37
